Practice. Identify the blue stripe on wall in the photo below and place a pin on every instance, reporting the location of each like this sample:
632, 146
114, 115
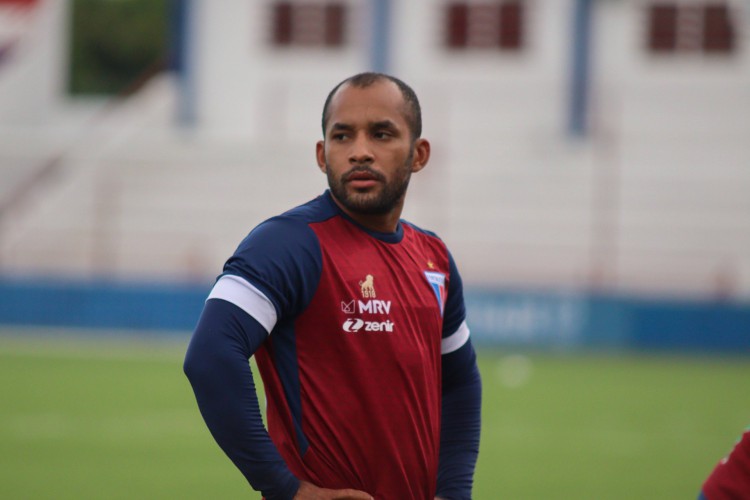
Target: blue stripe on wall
100, 304
548, 320
570, 320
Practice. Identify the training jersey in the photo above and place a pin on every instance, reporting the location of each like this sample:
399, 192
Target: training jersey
357, 323
730, 479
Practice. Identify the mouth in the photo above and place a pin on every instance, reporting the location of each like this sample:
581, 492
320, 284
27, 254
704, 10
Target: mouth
362, 178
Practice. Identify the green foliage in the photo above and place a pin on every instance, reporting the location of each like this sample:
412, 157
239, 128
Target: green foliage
115, 42
116, 419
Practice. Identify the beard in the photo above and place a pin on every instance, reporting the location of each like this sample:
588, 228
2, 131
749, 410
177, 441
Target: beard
371, 203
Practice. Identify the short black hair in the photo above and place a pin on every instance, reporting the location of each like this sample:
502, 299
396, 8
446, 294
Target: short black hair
363, 80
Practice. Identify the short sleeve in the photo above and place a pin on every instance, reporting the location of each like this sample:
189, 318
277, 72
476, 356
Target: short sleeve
281, 259
455, 330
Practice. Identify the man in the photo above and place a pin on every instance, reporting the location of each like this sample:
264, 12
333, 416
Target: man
357, 322
730, 479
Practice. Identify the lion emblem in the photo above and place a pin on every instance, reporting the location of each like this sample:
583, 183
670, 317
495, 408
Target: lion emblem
367, 287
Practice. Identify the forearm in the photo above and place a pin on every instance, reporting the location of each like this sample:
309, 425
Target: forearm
217, 366
461, 422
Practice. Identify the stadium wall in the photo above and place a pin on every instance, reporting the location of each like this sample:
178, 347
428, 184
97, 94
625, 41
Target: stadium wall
654, 200
554, 320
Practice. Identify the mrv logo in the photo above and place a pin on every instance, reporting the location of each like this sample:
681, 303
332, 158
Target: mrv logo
367, 306
354, 325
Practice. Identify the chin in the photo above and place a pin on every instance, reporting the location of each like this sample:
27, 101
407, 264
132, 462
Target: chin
363, 195
364, 203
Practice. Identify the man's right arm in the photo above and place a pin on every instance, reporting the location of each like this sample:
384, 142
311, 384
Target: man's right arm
217, 366
272, 272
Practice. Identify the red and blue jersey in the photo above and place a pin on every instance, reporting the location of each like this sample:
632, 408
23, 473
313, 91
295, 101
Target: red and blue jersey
357, 324
730, 479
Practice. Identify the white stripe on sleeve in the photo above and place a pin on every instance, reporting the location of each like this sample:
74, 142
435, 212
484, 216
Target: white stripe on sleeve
244, 295
454, 341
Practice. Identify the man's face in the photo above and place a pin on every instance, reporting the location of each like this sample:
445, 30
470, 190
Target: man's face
368, 154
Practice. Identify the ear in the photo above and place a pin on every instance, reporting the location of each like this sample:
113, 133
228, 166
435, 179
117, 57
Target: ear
320, 155
421, 154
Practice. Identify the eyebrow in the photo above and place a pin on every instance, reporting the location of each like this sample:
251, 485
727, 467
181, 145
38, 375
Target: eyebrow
384, 124
373, 125
341, 126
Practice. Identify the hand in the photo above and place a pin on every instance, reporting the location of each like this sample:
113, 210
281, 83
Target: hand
308, 491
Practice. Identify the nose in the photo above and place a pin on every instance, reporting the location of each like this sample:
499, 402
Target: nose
360, 151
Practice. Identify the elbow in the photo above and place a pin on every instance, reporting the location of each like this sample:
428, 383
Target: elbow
190, 366
196, 363
205, 359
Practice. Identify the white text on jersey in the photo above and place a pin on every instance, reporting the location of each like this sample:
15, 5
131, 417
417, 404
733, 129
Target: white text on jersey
354, 325
374, 306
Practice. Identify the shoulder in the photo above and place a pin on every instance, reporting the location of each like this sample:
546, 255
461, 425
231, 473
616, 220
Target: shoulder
278, 231
282, 258
279, 239
316, 210
288, 231
419, 230
423, 234
430, 239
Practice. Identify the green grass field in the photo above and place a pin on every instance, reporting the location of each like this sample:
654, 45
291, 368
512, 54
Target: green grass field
106, 418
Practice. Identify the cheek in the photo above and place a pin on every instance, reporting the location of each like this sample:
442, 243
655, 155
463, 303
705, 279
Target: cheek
404, 163
395, 158
335, 156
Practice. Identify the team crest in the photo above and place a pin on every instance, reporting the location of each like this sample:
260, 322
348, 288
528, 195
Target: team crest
437, 282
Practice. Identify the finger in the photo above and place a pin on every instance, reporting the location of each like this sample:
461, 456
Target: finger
352, 495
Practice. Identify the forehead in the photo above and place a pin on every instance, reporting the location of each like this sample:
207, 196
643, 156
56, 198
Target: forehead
375, 103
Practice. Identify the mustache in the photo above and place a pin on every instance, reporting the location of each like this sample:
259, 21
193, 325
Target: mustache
363, 169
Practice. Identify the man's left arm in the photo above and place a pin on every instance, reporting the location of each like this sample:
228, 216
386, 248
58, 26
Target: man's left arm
461, 422
461, 399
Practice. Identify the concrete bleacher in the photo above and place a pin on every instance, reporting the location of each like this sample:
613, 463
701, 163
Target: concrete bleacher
653, 200
146, 202
135, 197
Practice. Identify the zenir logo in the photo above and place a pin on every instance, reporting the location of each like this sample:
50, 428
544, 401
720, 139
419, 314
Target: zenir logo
353, 325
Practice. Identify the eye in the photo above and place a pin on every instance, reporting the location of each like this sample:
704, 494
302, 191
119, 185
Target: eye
382, 134
339, 136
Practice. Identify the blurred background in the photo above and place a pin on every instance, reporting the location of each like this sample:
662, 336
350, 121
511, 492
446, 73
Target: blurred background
590, 173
